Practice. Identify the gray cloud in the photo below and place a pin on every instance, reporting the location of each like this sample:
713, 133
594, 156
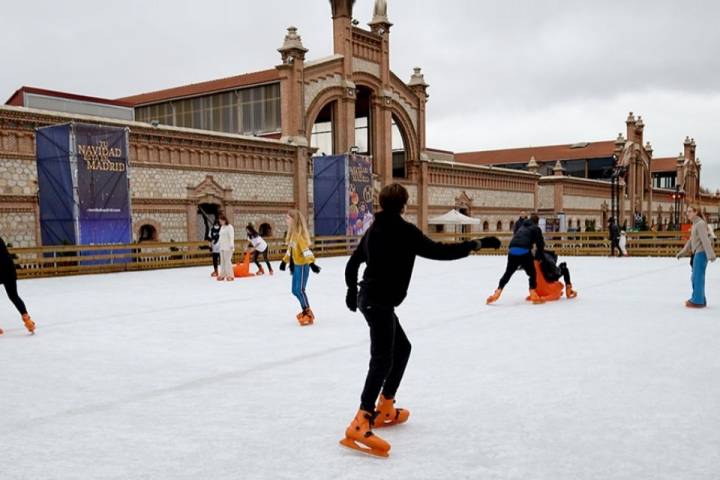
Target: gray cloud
501, 73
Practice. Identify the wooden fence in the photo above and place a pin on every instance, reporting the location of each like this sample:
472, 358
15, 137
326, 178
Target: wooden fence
76, 259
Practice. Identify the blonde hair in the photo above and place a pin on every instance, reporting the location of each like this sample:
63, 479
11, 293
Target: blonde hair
697, 210
298, 226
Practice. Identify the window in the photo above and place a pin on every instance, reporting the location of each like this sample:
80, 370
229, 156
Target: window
147, 233
600, 168
575, 168
499, 226
398, 152
362, 135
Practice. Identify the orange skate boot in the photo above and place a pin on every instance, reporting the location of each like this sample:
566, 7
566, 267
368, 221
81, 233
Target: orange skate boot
535, 298
387, 414
306, 317
494, 297
359, 436
29, 324
569, 292
261, 271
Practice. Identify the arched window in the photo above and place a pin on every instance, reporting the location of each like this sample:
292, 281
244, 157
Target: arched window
265, 230
486, 226
147, 233
512, 225
499, 226
399, 150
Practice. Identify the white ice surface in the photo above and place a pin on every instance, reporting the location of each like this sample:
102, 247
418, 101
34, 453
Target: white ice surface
170, 375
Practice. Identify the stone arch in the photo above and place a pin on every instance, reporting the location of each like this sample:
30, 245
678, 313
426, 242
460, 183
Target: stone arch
321, 100
486, 226
405, 125
499, 226
143, 223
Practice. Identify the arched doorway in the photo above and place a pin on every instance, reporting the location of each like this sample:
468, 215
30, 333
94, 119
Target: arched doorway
399, 150
322, 134
147, 233
265, 230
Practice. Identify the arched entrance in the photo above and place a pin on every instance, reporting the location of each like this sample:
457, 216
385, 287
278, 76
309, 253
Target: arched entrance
322, 134
207, 213
147, 233
399, 150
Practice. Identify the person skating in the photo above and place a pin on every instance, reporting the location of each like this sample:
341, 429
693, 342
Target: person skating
8, 277
614, 237
226, 242
700, 248
258, 246
301, 261
551, 273
519, 222
520, 255
388, 249
212, 235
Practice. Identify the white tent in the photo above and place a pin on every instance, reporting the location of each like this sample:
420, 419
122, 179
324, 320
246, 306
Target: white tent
453, 217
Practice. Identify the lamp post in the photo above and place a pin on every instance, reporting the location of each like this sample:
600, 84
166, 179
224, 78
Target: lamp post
618, 172
677, 197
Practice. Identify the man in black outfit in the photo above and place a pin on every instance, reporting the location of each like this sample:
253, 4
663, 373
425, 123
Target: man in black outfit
614, 238
520, 254
8, 277
389, 248
519, 223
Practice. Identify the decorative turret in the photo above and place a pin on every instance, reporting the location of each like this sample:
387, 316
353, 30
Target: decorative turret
630, 124
533, 166
292, 48
558, 169
380, 23
649, 149
417, 83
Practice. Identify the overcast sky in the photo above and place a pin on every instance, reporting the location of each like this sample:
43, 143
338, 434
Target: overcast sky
502, 73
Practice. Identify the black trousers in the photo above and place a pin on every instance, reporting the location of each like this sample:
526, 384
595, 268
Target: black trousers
615, 243
216, 260
526, 263
255, 256
10, 284
389, 353
565, 273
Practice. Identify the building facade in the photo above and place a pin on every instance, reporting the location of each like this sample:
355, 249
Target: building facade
244, 145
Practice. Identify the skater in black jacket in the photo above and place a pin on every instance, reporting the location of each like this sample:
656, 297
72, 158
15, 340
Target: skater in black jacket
388, 249
8, 277
520, 254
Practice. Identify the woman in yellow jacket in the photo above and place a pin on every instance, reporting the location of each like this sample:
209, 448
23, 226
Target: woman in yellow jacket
301, 260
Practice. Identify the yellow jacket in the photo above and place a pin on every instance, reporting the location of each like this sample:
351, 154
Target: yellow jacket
300, 251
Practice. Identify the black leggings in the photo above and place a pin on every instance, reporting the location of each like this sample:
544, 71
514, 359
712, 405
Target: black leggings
216, 260
514, 261
255, 256
12, 293
389, 353
565, 273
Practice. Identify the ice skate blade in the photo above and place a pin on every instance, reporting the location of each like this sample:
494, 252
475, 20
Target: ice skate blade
346, 442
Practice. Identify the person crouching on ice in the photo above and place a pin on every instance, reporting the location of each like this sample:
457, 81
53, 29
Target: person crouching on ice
8, 277
520, 255
259, 247
548, 287
301, 260
388, 249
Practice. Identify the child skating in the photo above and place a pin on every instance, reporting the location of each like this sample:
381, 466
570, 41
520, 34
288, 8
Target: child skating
388, 249
258, 246
301, 261
8, 277
520, 255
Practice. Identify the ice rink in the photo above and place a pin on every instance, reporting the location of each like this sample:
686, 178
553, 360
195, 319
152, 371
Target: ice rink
171, 375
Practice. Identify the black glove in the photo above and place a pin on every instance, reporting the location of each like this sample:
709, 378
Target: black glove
351, 299
487, 242
283, 265
314, 268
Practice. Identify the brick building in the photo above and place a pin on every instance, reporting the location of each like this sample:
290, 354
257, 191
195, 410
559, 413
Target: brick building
244, 145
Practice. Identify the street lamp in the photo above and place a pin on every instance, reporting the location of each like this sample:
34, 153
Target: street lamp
677, 197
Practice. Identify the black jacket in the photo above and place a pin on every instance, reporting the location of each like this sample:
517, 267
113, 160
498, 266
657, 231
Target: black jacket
528, 235
614, 231
7, 265
519, 224
389, 248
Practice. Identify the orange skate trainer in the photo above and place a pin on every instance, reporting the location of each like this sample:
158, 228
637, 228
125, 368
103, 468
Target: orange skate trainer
29, 324
494, 297
359, 436
306, 317
535, 298
387, 414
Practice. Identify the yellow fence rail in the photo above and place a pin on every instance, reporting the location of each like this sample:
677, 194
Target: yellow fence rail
81, 259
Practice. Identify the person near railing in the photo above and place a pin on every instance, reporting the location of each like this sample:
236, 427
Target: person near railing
622, 243
8, 277
212, 235
258, 246
520, 254
226, 243
614, 237
301, 261
388, 249
700, 249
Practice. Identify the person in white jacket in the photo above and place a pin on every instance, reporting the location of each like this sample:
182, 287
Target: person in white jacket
623, 243
227, 247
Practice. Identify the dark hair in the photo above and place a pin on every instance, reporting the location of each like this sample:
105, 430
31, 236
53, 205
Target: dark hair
251, 230
393, 198
534, 218
222, 217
